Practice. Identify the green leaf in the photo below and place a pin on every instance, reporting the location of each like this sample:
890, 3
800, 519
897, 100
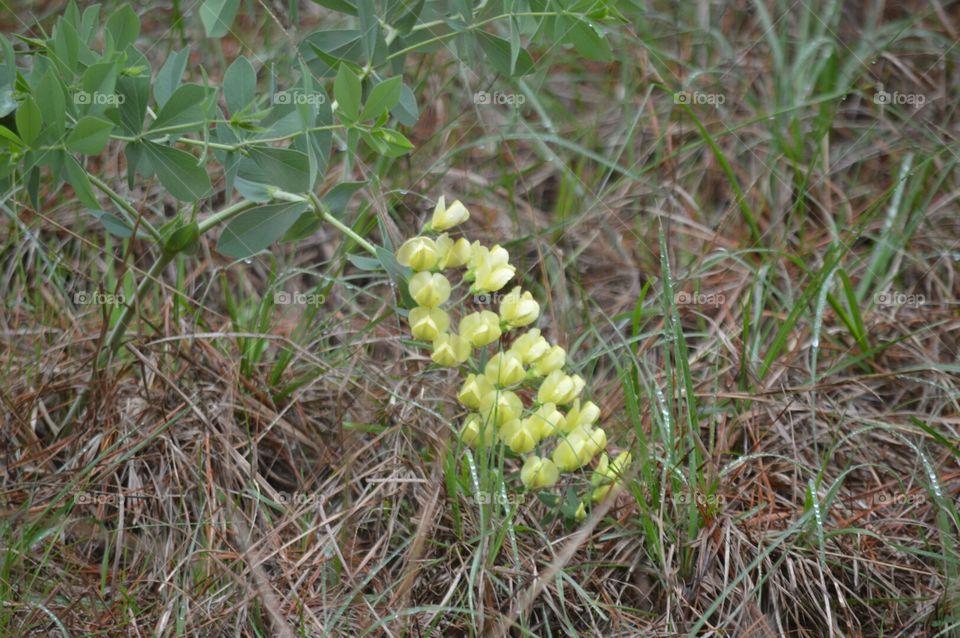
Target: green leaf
388, 142
217, 16
346, 90
52, 104
337, 198
498, 52
343, 6
369, 27
169, 76
89, 136
383, 97
81, 184
254, 191
252, 231
588, 42
406, 110
282, 167
239, 85
29, 121
185, 109
178, 172
124, 26
97, 89
182, 239
135, 90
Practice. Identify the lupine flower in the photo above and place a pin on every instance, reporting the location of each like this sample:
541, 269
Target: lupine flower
587, 415
493, 271
474, 428
428, 323
501, 405
546, 421
538, 473
445, 217
475, 387
518, 308
608, 474
450, 253
450, 350
419, 253
505, 369
530, 346
518, 437
577, 448
560, 388
552, 359
481, 327
429, 289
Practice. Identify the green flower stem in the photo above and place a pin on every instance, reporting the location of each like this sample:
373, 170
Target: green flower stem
227, 213
321, 210
130, 212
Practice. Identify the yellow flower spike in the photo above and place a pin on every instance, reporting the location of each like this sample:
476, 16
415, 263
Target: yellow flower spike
538, 473
560, 388
552, 359
505, 369
493, 271
428, 323
530, 346
445, 217
587, 414
518, 437
474, 388
418, 253
429, 289
481, 327
450, 350
475, 430
546, 421
518, 308
502, 406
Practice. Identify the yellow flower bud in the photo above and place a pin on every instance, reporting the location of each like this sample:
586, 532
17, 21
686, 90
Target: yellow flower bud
538, 473
493, 271
428, 323
518, 437
475, 430
505, 369
502, 406
450, 350
546, 421
429, 289
453, 254
552, 359
478, 254
419, 253
445, 217
578, 447
587, 415
475, 387
481, 327
530, 346
581, 512
518, 308
560, 388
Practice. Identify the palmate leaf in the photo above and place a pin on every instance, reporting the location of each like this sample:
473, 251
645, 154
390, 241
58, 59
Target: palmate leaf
252, 231
185, 110
89, 136
178, 172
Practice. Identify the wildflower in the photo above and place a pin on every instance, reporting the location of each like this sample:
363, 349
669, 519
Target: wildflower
501, 405
474, 388
429, 289
518, 308
445, 217
505, 369
419, 253
552, 359
538, 473
518, 437
587, 415
493, 270
546, 421
608, 474
530, 346
450, 253
450, 349
578, 447
475, 430
428, 323
481, 327
560, 388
